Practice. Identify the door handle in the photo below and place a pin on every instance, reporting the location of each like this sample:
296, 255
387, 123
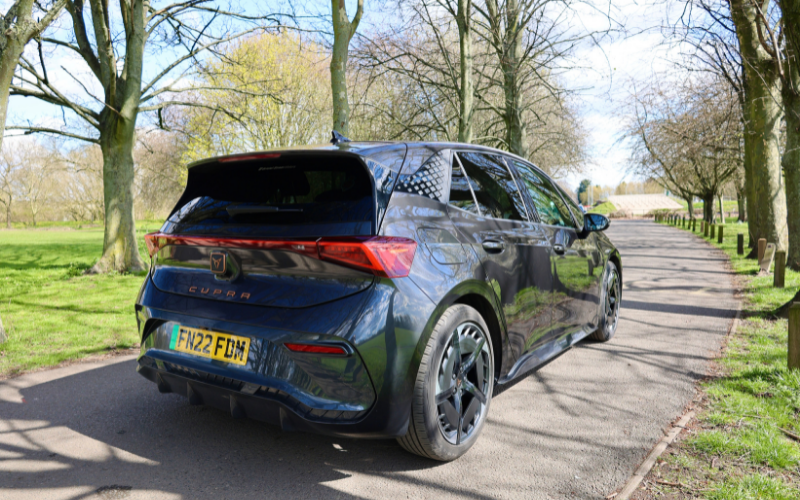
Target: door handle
559, 249
493, 246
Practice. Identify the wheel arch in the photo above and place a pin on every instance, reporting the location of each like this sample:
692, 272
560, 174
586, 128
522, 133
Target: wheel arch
478, 295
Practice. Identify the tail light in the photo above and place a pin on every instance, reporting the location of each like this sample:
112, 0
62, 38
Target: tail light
385, 256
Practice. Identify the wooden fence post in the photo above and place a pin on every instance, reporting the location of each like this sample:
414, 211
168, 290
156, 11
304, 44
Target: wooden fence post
794, 336
779, 278
713, 231
705, 228
719, 236
762, 248
740, 244
694, 225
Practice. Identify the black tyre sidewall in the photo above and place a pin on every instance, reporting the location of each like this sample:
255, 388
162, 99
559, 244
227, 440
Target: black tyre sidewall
602, 334
443, 449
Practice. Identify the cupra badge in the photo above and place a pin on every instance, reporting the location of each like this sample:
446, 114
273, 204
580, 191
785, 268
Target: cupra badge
219, 262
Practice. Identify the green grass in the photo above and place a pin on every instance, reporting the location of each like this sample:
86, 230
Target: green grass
604, 208
754, 399
727, 205
51, 311
142, 225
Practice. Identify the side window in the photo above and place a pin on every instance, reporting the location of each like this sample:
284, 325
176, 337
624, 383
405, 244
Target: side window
495, 189
552, 210
576, 210
460, 190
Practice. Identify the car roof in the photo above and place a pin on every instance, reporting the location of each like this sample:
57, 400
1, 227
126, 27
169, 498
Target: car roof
422, 150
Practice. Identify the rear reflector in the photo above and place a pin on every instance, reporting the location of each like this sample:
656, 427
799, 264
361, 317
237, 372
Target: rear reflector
384, 256
316, 349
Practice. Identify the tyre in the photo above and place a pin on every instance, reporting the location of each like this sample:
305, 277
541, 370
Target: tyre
453, 389
610, 302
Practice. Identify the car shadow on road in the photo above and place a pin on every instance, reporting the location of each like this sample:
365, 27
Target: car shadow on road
110, 428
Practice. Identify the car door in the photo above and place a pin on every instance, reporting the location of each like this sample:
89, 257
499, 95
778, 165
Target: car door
586, 270
490, 214
569, 266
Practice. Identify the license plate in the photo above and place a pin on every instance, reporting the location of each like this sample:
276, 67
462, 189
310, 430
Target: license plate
213, 345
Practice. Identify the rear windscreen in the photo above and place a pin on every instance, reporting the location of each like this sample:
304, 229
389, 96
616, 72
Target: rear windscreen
243, 196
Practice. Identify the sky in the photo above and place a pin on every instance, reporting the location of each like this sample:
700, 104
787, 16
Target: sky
601, 75
633, 55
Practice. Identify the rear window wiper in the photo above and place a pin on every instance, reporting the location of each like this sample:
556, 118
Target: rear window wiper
242, 210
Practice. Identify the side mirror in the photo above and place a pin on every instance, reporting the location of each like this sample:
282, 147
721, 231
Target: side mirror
595, 223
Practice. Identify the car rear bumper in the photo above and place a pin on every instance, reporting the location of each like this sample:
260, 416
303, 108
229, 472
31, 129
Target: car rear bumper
245, 400
364, 394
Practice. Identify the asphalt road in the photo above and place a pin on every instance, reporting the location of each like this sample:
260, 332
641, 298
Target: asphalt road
575, 429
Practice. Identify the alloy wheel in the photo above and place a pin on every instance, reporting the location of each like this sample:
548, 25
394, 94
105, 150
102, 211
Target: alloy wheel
464, 383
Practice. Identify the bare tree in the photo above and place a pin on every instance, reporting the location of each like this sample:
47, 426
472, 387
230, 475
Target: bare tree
530, 39
422, 63
9, 169
160, 171
114, 50
81, 192
689, 140
343, 31
706, 35
34, 180
24, 20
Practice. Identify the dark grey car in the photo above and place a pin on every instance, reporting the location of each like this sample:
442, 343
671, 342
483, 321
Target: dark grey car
371, 289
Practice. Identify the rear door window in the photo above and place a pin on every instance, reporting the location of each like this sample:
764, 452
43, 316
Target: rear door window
494, 188
461, 190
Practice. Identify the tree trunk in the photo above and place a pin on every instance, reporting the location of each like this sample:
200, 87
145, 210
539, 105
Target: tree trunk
791, 104
708, 208
9, 58
690, 206
8, 214
766, 116
343, 31
791, 169
721, 209
516, 134
463, 17
120, 248
749, 180
763, 115
740, 203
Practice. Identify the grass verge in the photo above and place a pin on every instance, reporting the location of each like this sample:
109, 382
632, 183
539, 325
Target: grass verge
53, 313
741, 445
604, 208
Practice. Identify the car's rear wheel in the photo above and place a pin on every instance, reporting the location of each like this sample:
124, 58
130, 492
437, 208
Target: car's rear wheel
453, 389
610, 303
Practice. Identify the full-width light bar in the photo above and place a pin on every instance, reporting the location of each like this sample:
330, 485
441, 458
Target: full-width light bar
384, 256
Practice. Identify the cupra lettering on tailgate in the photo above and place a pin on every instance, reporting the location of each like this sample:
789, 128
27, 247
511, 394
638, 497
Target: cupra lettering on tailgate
218, 291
